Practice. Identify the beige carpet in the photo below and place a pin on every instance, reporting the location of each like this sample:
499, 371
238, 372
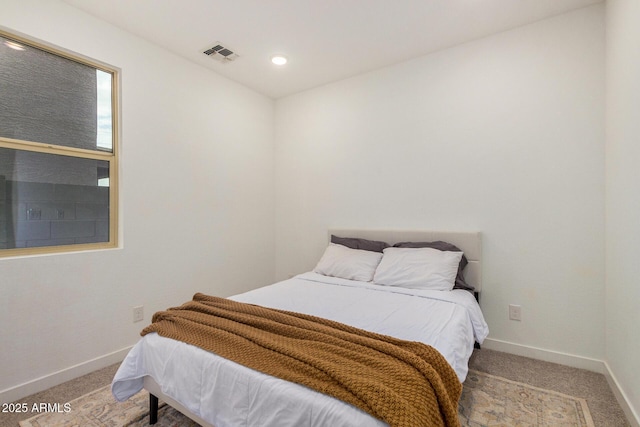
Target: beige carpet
486, 400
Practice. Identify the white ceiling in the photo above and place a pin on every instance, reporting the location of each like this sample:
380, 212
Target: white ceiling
325, 40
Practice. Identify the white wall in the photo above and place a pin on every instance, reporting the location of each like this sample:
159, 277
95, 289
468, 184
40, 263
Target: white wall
197, 202
504, 135
623, 197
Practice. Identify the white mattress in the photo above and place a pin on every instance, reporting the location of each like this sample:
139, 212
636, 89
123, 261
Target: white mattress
230, 395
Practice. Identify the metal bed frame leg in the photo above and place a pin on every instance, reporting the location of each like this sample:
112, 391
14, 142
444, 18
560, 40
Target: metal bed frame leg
477, 295
153, 409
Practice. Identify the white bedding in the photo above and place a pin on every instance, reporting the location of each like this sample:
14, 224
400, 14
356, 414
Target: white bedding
230, 395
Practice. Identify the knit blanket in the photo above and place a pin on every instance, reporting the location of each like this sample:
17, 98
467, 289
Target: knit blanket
404, 383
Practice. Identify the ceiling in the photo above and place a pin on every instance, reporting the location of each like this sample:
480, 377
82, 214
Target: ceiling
325, 40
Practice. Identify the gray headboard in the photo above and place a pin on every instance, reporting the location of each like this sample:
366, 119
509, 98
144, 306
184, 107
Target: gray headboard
469, 242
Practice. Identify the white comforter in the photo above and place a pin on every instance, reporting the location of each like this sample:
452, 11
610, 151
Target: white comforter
230, 395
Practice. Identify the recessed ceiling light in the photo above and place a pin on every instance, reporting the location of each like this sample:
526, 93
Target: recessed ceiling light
279, 59
13, 45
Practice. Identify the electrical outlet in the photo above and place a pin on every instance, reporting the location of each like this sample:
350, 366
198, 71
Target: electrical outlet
138, 314
515, 312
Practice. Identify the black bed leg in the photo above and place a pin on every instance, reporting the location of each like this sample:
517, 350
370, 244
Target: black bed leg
153, 409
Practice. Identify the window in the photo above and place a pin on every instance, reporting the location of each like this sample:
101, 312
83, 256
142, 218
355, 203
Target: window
58, 150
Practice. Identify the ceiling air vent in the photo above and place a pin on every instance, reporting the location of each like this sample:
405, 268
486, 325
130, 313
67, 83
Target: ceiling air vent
220, 52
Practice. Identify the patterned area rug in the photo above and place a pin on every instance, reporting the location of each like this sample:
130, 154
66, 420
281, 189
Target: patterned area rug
486, 400
100, 409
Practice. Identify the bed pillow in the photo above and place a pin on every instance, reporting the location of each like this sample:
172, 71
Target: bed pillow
363, 244
346, 263
443, 246
418, 268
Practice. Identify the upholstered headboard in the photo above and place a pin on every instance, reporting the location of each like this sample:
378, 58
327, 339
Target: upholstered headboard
469, 242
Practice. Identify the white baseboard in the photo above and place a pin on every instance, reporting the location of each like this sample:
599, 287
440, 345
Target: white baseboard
39, 384
632, 415
572, 360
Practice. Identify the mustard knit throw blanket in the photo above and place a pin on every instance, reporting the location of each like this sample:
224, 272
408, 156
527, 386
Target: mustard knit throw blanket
405, 384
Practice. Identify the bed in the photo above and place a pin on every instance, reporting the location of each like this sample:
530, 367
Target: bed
214, 391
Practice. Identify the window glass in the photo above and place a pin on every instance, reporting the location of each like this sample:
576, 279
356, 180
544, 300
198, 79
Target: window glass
58, 163
104, 139
51, 200
54, 100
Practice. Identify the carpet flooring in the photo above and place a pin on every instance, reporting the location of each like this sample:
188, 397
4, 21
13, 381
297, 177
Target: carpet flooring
588, 393
486, 400
591, 386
